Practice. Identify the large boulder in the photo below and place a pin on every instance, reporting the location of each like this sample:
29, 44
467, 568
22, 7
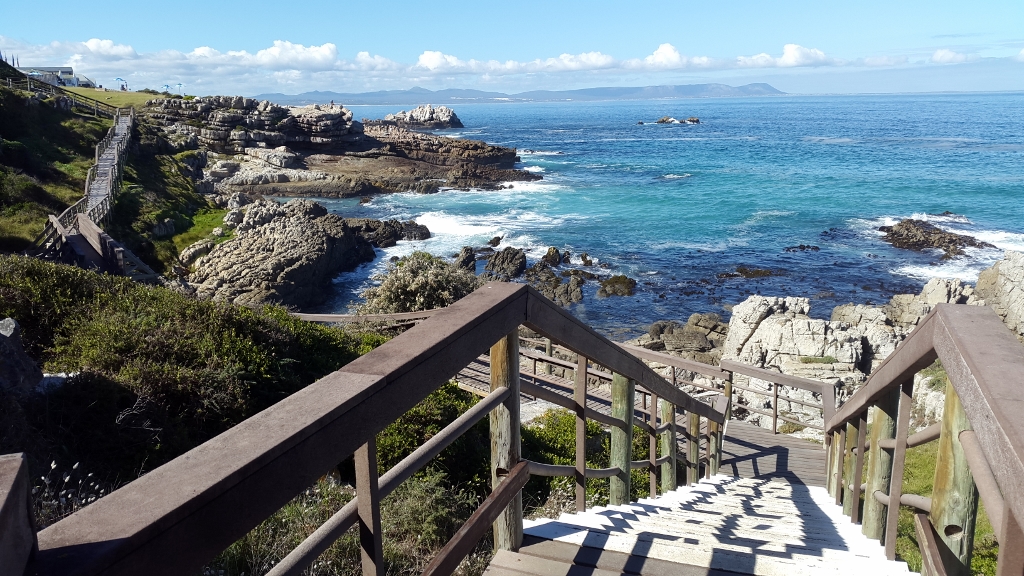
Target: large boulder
284, 254
18, 372
1002, 288
544, 279
466, 259
505, 265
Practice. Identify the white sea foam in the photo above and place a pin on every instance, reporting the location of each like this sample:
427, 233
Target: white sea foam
941, 218
535, 186
534, 169
528, 152
829, 140
677, 176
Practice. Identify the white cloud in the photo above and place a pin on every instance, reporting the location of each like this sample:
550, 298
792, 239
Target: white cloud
205, 69
793, 55
944, 56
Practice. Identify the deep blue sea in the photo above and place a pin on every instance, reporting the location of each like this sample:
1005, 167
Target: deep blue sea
676, 205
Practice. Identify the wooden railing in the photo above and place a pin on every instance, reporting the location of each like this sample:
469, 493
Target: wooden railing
980, 450
178, 517
82, 102
102, 184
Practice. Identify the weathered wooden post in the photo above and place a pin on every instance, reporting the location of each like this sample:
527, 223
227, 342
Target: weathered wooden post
840, 448
548, 351
1011, 546
505, 441
652, 411
693, 449
858, 466
851, 442
368, 501
580, 397
834, 464
899, 458
668, 447
879, 473
17, 534
712, 467
775, 408
954, 495
623, 390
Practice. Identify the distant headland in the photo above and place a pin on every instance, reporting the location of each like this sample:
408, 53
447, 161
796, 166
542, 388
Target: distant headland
415, 96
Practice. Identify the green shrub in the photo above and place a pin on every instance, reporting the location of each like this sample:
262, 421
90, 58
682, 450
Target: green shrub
159, 373
418, 282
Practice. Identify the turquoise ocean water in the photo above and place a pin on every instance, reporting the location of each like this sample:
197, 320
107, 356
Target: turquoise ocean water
676, 205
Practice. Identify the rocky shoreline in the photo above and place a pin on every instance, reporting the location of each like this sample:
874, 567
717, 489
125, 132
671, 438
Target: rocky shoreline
261, 148
777, 334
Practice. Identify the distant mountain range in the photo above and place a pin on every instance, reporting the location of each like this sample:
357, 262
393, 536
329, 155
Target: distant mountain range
416, 96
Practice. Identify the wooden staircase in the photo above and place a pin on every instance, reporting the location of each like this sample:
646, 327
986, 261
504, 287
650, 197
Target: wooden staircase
724, 525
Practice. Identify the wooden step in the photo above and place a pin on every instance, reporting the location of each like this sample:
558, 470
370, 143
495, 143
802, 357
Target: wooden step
507, 563
611, 561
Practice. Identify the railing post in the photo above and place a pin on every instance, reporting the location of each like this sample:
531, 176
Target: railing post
505, 440
548, 351
883, 426
852, 433
693, 449
368, 501
775, 408
835, 459
954, 495
899, 458
623, 391
652, 411
18, 541
1011, 545
712, 467
668, 447
858, 467
580, 396
837, 464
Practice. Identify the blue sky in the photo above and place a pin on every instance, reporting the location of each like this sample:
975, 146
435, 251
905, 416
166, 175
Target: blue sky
257, 46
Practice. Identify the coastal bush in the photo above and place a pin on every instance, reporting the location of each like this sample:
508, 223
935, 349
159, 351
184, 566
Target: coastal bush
417, 282
157, 372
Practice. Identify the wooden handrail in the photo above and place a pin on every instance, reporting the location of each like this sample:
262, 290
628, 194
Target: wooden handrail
209, 497
981, 436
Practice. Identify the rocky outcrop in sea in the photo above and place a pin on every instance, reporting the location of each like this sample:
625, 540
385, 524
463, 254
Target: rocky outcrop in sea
423, 117
284, 254
261, 148
922, 235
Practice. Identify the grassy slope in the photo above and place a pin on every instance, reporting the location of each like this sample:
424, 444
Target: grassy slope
114, 97
45, 155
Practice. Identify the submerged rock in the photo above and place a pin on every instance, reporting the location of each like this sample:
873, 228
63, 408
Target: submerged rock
920, 235
619, 285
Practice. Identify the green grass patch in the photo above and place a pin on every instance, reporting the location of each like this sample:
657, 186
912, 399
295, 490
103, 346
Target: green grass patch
202, 223
115, 97
790, 428
818, 360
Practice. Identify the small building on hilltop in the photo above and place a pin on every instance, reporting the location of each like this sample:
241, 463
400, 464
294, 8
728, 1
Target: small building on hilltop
57, 76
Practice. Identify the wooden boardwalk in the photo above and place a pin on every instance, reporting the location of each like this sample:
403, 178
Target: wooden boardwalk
749, 451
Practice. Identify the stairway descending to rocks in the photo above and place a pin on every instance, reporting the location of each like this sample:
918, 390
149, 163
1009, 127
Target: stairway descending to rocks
721, 526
